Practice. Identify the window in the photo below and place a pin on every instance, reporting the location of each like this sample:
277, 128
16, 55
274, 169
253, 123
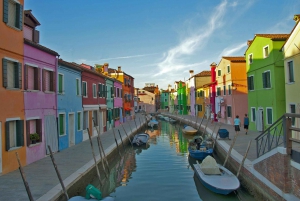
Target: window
12, 74
62, 123
253, 114
14, 136
229, 111
79, 126
266, 79
100, 93
219, 72
293, 111
229, 89
95, 118
228, 69
199, 108
94, 91
250, 80
224, 90
32, 78
13, 13
33, 126
165, 100
210, 91
218, 91
85, 120
84, 89
118, 92
266, 51
77, 87
269, 116
290, 72
48, 80
250, 58
60, 83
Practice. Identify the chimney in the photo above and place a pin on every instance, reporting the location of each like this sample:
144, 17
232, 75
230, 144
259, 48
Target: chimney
169, 88
191, 73
105, 68
119, 68
296, 18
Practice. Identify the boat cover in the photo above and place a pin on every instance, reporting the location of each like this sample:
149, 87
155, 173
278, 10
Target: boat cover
210, 166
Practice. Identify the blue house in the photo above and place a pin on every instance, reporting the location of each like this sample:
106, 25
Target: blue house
69, 104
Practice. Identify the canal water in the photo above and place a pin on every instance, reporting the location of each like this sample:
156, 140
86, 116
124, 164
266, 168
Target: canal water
162, 170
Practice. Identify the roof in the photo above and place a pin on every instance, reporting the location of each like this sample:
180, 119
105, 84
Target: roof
70, 65
297, 19
205, 73
235, 58
40, 47
29, 15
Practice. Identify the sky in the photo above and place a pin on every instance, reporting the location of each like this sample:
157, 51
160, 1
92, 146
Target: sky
157, 41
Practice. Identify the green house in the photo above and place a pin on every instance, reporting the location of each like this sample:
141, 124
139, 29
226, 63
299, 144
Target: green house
265, 75
181, 98
164, 99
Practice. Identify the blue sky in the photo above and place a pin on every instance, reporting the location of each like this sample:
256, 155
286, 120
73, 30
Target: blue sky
157, 41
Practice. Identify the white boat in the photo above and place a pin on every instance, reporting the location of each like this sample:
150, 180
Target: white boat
140, 139
152, 123
189, 130
216, 177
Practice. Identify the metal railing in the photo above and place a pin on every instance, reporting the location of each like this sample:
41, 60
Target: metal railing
279, 133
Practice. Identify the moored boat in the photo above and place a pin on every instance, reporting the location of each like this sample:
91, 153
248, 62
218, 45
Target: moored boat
216, 177
189, 130
140, 139
198, 149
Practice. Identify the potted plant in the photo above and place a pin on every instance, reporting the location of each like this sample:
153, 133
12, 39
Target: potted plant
34, 137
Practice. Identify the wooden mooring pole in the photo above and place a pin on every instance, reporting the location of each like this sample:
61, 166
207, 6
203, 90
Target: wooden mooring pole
201, 122
24, 178
116, 141
96, 166
229, 151
101, 159
127, 135
121, 139
215, 140
58, 174
244, 158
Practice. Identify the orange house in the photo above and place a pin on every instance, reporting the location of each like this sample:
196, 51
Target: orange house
11, 86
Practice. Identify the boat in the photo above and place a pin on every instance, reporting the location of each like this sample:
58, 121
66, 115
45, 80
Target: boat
198, 149
216, 177
172, 121
189, 130
140, 139
91, 193
167, 118
152, 123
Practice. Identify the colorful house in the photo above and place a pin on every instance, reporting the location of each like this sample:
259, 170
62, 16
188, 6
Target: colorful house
155, 90
201, 79
212, 92
118, 102
291, 55
109, 102
146, 101
265, 74
40, 72
181, 96
93, 101
164, 99
231, 97
190, 94
69, 104
12, 114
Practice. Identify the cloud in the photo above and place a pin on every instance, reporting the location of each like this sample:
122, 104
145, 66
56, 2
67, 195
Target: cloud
128, 57
173, 58
233, 50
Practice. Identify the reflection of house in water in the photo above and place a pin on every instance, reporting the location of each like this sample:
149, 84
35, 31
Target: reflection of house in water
153, 134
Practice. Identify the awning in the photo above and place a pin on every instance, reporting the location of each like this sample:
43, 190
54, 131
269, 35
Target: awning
127, 109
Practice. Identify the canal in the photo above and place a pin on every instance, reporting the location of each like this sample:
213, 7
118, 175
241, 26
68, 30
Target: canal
162, 170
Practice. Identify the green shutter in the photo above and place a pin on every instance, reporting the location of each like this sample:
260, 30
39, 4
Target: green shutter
61, 124
78, 121
264, 80
4, 72
20, 133
5, 11
19, 17
60, 80
7, 143
268, 74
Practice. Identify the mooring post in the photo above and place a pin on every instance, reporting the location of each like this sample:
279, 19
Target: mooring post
244, 158
121, 139
58, 174
102, 161
24, 178
215, 140
201, 122
127, 135
229, 151
116, 141
95, 161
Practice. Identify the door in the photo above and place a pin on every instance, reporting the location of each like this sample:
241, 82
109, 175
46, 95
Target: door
71, 128
51, 134
260, 120
0, 147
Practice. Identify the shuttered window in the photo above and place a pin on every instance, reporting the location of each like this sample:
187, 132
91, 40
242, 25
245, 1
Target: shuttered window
79, 121
229, 114
33, 126
11, 74
99, 90
14, 134
60, 83
84, 89
77, 87
94, 90
11, 78
266, 79
32, 78
13, 14
269, 116
62, 126
49, 81
250, 80
291, 71
229, 89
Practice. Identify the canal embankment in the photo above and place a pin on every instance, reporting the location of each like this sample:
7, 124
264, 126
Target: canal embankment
273, 176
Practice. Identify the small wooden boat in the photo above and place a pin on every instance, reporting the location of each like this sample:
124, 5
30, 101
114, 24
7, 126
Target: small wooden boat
216, 177
198, 149
189, 130
140, 139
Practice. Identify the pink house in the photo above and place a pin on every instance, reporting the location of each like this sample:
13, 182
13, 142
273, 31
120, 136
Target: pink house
40, 71
118, 102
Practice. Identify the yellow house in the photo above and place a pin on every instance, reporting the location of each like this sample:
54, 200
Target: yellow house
202, 91
291, 52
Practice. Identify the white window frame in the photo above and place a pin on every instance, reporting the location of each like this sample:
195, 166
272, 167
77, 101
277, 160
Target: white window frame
267, 108
62, 84
264, 53
64, 133
253, 116
94, 91
80, 123
86, 89
250, 55
79, 88
268, 87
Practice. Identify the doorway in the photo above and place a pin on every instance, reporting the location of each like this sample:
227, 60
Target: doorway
260, 119
71, 129
51, 133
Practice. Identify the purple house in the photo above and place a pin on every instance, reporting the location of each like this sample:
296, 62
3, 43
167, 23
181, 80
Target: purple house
40, 102
118, 102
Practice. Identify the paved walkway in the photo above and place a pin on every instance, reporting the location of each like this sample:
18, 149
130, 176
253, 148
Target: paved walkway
71, 163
